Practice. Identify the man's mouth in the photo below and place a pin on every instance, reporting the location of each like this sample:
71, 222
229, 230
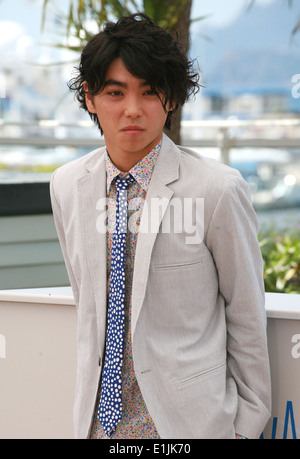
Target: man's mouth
132, 129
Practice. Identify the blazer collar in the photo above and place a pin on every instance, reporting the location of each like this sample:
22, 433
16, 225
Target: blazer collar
167, 165
94, 160
91, 189
165, 172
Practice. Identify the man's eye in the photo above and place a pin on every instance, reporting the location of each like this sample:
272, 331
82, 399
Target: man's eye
151, 92
115, 93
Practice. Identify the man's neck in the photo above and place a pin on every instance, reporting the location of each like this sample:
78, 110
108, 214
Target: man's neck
125, 160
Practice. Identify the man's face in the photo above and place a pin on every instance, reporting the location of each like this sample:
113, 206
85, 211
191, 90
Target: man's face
130, 113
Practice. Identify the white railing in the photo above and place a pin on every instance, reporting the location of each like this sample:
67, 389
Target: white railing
222, 134
229, 134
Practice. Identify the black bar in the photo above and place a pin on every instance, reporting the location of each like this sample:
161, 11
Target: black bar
25, 199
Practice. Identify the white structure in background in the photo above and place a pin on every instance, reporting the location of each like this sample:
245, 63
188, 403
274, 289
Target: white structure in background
2, 86
2, 347
40, 327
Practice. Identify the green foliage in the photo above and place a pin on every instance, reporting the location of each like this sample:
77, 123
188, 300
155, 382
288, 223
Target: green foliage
84, 15
27, 168
164, 12
281, 254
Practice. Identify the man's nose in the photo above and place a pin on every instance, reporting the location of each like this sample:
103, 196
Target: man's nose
133, 107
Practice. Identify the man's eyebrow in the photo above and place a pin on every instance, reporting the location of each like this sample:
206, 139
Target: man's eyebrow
121, 84
112, 82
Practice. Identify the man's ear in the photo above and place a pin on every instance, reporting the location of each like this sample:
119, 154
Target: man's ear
171, 107
89, 100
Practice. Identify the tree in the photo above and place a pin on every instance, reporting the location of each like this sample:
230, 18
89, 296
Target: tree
83, 15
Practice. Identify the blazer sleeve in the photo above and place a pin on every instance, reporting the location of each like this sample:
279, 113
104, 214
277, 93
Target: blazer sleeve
58, 220
233, 242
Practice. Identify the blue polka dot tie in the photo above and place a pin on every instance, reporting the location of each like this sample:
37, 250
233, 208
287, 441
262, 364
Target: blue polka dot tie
110, 406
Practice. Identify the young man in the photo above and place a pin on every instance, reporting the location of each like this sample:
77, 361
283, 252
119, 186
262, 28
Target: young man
185, 355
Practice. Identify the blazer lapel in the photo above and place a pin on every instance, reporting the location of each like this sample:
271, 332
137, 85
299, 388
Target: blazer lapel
158, 197
92, 199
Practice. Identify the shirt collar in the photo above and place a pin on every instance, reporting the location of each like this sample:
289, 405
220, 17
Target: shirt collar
142, 171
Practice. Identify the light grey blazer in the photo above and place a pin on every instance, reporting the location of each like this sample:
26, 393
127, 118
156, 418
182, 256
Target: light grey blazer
198, 316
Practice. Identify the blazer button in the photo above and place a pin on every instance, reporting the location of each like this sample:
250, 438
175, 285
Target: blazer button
100, 361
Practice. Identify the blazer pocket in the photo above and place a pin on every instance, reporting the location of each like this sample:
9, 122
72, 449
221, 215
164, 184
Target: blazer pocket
198, 385
181, 265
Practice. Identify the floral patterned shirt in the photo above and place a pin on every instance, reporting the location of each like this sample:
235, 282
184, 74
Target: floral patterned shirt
136, 422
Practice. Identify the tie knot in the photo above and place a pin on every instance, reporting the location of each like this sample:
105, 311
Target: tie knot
123, 183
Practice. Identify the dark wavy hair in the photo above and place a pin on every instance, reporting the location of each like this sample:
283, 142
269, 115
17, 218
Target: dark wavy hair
148, 52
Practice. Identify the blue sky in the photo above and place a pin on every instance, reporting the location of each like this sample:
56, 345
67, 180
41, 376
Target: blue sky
21, 39
27, 13
223, 12
20, 21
